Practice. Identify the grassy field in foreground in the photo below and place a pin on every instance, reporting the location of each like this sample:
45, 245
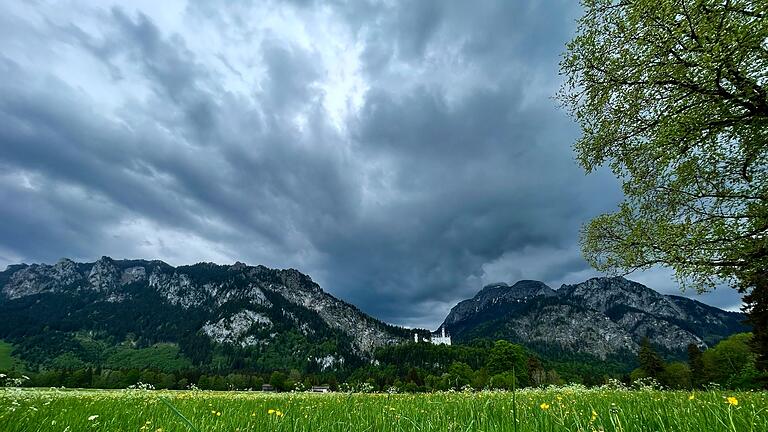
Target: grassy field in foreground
536, 410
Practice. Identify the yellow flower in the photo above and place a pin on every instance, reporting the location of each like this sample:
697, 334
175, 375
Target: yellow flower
271, 411
279, 413
594, 416
732, 400
544, 406
691, 397
218, 413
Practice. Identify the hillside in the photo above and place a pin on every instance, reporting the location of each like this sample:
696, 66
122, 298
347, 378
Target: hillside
113, 312
603, 317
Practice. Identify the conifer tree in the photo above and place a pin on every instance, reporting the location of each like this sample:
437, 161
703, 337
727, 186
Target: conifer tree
649, 360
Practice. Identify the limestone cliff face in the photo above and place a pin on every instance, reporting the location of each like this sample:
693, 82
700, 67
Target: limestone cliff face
242, 305
601, 316
27, 280
497, 294
367, 332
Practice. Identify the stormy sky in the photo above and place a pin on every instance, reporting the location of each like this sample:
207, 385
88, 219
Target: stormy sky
403, 154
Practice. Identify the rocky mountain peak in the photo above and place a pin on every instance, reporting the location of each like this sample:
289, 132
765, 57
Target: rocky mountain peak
294, 279
496, 295
36, 278
238, 266
605, 293
520, 289
65, 263
601, 316
104, 275
241, 305
532, 287
492, 287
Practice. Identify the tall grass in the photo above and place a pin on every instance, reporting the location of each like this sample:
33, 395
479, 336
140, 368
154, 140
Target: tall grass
565, 409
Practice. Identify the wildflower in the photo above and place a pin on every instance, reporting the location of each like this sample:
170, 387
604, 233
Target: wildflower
594, 416
271, 411
614, 408
218, 413
691, 397
732, 400
93, 417
544, 406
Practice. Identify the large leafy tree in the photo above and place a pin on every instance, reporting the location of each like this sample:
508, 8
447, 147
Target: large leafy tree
672, 95
507, 357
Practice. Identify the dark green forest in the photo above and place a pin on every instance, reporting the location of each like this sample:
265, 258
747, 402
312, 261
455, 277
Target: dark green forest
410, 367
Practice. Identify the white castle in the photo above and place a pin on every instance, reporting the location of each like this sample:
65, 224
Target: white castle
442, 339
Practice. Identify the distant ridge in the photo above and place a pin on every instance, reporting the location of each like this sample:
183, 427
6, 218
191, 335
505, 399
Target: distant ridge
253, 314
602, 316
262, 318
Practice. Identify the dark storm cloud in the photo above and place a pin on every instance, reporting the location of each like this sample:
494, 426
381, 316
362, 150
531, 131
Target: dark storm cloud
402, 177
480, 175
195, 170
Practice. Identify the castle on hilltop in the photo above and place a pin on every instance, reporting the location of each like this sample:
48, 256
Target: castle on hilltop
435, 339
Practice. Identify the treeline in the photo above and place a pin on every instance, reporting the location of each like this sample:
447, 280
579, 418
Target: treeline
729, 364
405, 368
421, 367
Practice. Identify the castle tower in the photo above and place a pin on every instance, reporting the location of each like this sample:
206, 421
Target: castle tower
441, 338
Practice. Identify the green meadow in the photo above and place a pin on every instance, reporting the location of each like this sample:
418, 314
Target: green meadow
563, 409
7, 361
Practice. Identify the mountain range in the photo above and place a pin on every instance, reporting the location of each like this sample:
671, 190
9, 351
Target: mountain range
601, 316
245, 316
115, 312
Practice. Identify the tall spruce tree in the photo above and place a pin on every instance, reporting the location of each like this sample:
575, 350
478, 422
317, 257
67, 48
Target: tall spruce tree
696, 363
649, 360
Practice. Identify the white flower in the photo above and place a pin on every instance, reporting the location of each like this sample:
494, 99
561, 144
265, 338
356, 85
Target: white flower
3, 375
93, 417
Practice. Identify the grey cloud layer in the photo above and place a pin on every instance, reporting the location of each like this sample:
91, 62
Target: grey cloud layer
213, 136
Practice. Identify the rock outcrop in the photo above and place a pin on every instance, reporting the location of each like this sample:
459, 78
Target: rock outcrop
242, 305
601, 316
